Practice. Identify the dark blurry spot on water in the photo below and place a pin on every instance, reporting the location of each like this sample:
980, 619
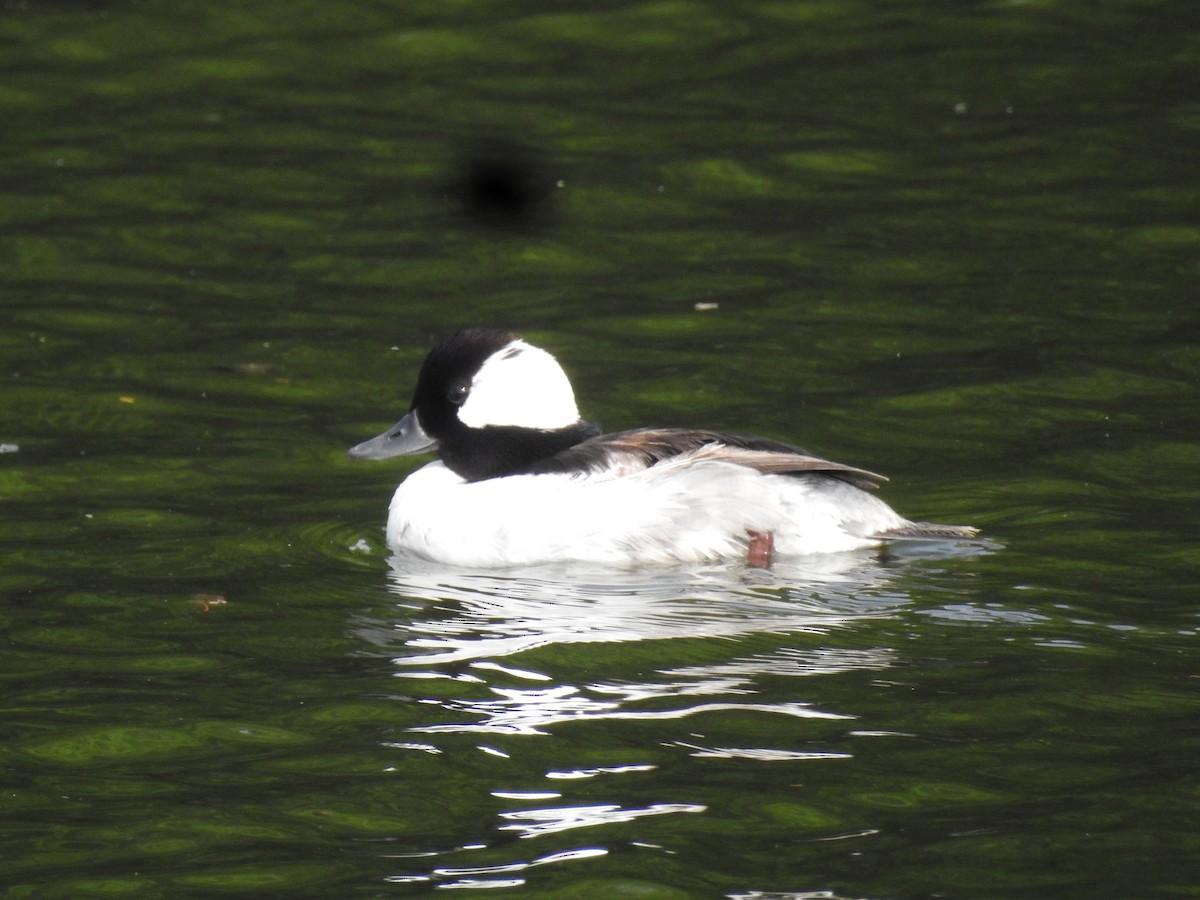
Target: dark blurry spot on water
503, 186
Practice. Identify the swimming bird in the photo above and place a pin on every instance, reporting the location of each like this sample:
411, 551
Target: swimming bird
521, 479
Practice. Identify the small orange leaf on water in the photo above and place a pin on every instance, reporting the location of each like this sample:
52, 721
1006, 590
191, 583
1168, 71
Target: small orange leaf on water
208, 601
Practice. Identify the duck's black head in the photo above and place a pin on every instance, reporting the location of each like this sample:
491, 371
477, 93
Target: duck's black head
490, 403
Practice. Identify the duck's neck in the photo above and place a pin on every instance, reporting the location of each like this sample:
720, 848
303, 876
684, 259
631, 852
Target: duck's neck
499, 450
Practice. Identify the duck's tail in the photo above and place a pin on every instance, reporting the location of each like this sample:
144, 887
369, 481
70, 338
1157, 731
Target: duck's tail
927, 531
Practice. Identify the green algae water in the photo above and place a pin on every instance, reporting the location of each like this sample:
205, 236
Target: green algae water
954, 243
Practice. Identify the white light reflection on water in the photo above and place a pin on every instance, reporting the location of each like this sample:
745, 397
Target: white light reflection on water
533, 822
479, 640
464, 616
500, 875
470, 626
520, 713
761, 754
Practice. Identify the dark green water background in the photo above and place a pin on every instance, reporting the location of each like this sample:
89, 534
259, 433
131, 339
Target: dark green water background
957, 243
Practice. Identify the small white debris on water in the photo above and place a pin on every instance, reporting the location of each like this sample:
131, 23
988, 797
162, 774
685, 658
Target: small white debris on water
360, 546
9, 448
706, 307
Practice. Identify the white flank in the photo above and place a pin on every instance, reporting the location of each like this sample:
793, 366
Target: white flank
682, 510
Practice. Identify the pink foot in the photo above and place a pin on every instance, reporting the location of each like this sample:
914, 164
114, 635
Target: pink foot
761, 552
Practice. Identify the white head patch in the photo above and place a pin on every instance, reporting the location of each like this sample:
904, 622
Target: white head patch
520, 385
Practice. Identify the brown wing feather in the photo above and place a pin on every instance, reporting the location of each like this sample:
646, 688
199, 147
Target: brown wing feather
645, 447
776, 463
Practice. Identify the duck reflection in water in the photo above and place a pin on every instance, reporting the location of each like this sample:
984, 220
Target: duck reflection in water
502, 629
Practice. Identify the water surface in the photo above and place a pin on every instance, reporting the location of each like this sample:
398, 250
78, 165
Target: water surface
953, 243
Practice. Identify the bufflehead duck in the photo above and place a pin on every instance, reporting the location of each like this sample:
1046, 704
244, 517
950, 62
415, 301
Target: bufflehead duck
522, 479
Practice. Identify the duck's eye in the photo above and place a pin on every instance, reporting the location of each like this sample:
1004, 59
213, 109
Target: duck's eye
458, 394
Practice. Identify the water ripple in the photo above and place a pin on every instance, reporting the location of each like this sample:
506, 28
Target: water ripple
520, 712
533, 822
500, 875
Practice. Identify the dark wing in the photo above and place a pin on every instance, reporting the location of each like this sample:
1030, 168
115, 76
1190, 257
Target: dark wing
642, 448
